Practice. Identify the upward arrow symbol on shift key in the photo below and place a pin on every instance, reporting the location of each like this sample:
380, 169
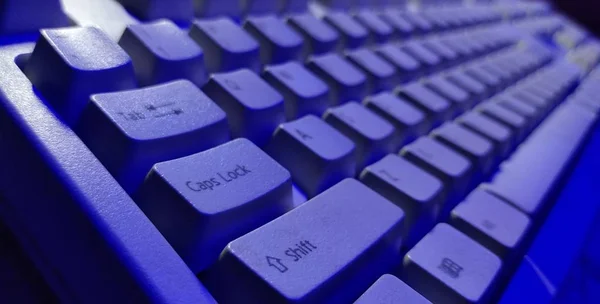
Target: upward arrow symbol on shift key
276, 263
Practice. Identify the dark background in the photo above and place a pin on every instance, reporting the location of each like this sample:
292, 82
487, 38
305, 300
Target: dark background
587, 12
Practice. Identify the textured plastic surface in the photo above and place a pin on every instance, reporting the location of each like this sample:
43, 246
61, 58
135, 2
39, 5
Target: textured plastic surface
130, 131
317, 155
203, 201
297, 257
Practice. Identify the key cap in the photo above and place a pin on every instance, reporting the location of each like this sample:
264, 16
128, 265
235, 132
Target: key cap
454, 170
192, 199
379, 31
448, 56
409, 121
430, 61
389, 289
406, 66
319, 37
436, 107
17, 17
161, 52
381, 76
303, 92
130, 131
500, 135
218, 8
352, 34
300, 245
469, 144
372, 135
508, 118
402, 28
278, 42
503, 74
539, 168
176, 10
422, 25
460, 98
70, 64
418, 193
448, 267
493, 83
254, 109
531, 114
317, 155
345, 81
491, 222
466, 82
227, 47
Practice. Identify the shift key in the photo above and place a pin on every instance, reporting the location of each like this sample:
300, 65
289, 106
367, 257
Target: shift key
328, 250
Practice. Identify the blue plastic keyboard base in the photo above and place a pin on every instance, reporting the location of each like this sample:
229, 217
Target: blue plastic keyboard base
56, 194
559, 243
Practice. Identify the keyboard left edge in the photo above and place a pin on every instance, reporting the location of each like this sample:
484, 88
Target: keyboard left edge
89, 240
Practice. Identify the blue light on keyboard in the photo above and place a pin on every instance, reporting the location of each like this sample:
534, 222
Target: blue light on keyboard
294, 151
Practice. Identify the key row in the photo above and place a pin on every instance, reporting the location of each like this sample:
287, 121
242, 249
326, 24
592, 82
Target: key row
315, 155
434, 18
451, 264
161, 53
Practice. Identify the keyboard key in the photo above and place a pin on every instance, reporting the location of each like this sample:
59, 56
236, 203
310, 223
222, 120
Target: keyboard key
421, 24
419, 194
278, 42
454, 170
381, 76
176, 10
448, 267
493, 83
388, 290
319, 37
499, 134
254, 109
353, 35
531, 114
70, 64
541, 160
430, 61
130, 131
460, 98
301, 243
402, 28
379, 31
372, 135
436, 107
303, 92
407, 67
218, 8
448, 55
491, 222
508, 118
473, 146
345, 81
161, 52
316, 154
203, 201
409, 121
226, 46
476, 88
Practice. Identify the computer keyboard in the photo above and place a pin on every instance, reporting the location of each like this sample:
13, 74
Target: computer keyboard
291, 151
